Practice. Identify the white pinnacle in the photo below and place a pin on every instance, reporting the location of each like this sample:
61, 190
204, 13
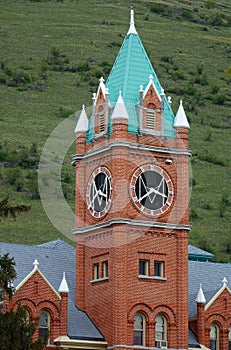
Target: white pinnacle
181, 120
120, 111
132, 29
200, 296
63, 288
82, 124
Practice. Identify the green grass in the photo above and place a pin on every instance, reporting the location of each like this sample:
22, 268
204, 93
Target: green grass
190, 55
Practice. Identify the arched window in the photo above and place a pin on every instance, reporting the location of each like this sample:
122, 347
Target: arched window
214, 337
44, 324
161, 331
139, 329
230, 338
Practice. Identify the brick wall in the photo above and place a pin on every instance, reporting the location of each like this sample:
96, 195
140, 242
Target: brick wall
37, 295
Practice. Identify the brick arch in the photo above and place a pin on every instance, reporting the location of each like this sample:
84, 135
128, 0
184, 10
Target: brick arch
29, 304
50, 307
165, 311
217, 319
142, 308
151, 105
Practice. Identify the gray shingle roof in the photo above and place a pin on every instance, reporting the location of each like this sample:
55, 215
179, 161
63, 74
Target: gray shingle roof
54, 258
57, 257
194, 251
210, 275
192, 340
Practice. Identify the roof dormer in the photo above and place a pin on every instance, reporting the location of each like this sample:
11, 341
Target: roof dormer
100, 110
151, 108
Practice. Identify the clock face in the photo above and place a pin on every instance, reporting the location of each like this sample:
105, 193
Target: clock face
151, 189
98, 195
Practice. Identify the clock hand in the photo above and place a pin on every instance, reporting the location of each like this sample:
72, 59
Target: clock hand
159, 193
93, 199
102, 194
146, 194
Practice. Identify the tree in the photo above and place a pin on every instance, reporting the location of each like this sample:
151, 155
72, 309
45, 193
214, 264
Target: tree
8, 210
16, 330
7, 274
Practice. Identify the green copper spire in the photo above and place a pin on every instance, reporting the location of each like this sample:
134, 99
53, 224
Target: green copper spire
132, 69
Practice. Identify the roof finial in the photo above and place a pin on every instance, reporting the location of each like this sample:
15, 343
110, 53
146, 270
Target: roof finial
36, 264
132, 29
224, 281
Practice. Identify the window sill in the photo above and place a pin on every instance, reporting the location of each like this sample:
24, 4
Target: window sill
99, 280
152, 278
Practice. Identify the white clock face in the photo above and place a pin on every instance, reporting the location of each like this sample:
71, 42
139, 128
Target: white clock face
98, 194
151, 189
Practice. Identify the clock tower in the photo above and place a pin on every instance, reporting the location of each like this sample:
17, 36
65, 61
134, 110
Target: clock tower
132, 219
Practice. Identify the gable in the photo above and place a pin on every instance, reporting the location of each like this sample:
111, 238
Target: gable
36, 286
221, 301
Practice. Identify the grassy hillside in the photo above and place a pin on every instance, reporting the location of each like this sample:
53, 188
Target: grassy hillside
52, 54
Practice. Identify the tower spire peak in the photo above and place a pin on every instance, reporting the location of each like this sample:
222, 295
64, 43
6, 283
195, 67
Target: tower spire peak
132, 29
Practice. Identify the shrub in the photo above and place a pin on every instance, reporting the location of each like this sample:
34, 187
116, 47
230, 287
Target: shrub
167, 59
219, 99
216, 20
214, 89
187, 14
210, 158
82, 66
193, 214
57, 60
208, 137
63, 112
158, 8
210, 4
177, 75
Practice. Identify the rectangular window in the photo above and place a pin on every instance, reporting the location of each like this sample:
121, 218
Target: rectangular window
143, 267
95, 271
105, 269
159, 269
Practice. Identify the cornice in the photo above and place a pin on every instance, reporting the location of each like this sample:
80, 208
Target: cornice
134, 146
64, 342
139, 223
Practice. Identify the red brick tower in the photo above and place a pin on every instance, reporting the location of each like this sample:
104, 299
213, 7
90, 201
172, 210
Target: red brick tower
132, 207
